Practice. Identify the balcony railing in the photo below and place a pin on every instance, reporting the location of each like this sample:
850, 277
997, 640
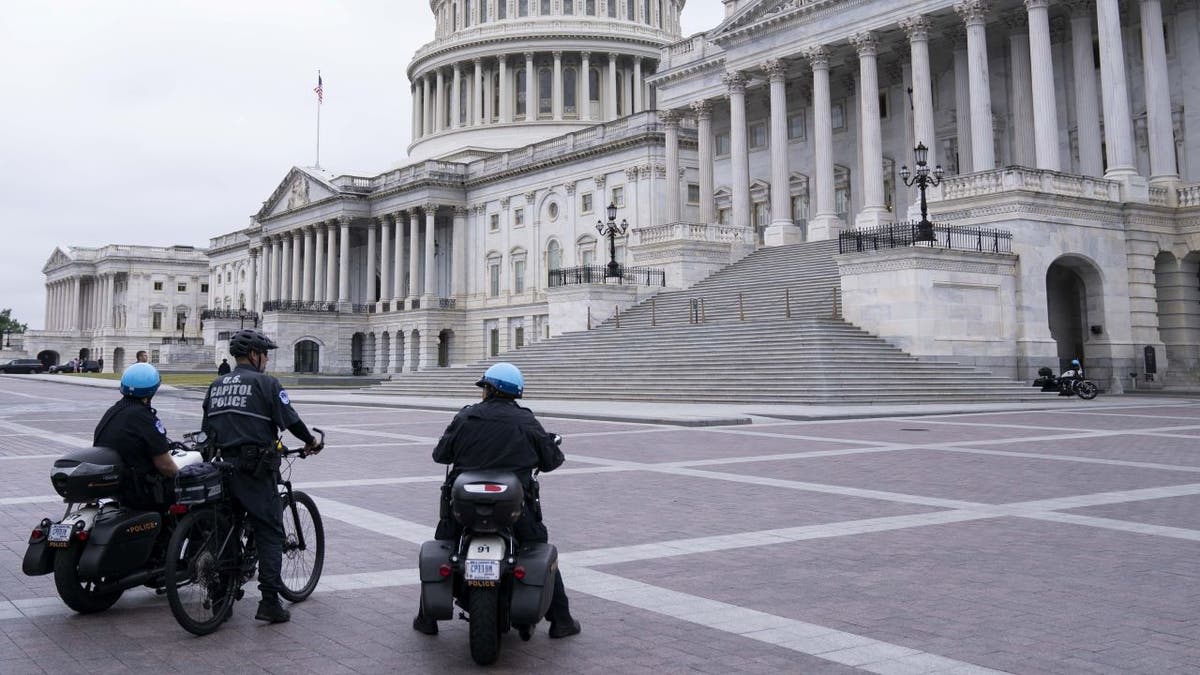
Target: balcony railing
598, 274
903, 235
207, 314
368, 308
295, 306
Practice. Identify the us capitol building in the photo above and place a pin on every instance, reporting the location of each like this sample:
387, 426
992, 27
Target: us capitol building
1071, 124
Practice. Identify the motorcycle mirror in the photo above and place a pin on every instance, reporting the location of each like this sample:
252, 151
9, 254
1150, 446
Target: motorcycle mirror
557, 439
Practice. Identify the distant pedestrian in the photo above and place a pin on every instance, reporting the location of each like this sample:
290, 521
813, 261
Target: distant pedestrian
142, 356
224, 368
100, 365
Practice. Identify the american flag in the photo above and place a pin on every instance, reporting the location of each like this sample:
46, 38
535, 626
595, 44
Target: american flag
319, 89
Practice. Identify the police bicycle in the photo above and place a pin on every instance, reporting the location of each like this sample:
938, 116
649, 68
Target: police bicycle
212, 554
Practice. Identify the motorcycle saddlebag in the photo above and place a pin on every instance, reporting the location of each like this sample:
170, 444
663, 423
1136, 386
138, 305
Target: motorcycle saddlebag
531, 595
120, 542
39, 558
437, 591
88, 473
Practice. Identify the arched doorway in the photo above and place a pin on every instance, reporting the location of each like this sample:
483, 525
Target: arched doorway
357, 342
415, 361
307, 357
1177, 289
385, 353
118, 359
1074, 306
85, 354
445, 344
48, 357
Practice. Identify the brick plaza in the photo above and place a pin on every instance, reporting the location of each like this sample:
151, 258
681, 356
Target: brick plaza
1041, 541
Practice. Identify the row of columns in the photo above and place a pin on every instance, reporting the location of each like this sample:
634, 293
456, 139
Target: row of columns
433, 100
1034, 80
70, 305
661, 13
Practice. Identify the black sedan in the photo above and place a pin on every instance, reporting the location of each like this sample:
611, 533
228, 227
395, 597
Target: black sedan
23, 366
78, 367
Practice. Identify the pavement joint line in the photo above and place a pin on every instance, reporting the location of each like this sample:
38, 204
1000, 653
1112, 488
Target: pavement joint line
1073, 458
46, 435
1119, 525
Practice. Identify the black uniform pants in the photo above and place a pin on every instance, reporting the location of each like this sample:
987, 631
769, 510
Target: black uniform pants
527, 531
259, 497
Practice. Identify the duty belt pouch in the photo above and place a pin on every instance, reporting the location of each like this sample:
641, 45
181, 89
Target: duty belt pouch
533, 501
445, 512
267, 464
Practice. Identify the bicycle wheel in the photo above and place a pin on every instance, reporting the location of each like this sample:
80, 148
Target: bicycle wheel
201, 571
303, 547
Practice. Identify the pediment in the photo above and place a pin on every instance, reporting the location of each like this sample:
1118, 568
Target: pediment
301, 187
754, 12
56, 260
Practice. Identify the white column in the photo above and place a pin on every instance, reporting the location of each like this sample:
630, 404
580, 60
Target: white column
478, 106
319, 264
344, 261
285, 268
1159, 125
427, 114
439, 102
1045, 106
331, 266
531, 93
739, 157
368, 295
276, 270
506, 108
252, 296
670, 120
974, 15
417, 123
637, 84
430, 289
704, 135
556, 93
917, 28
1118, 123
414, 257
962, 105
610, 103
76, 303
385, 259
456, 98
873, 210
297, 265
398, 261
585, 85
824, 224
782, 229
458, 259
1021, 83
1087, 94
308, 276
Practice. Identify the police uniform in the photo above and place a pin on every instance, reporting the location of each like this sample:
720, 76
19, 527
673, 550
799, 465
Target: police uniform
133, 429
243, 412
499, 434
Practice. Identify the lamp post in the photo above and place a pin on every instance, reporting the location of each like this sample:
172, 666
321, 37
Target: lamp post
611, 229
923, 181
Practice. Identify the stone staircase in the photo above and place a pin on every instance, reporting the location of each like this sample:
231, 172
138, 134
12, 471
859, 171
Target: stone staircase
746, 349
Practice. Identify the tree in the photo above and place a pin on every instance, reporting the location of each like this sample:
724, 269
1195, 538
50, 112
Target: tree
8, 324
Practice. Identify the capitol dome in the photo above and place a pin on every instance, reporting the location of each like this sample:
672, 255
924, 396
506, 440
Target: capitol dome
502, 74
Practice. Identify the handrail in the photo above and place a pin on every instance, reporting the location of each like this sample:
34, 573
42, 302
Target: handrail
904, 235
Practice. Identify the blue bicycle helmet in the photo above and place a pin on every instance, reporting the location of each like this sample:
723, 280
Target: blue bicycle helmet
140, 380
504, 378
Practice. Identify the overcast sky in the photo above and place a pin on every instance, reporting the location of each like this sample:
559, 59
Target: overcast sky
169, 122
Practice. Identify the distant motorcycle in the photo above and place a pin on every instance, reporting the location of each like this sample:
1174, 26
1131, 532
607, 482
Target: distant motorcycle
1069, 382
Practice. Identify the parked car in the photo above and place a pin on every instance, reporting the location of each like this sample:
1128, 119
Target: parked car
23, 366
85, 367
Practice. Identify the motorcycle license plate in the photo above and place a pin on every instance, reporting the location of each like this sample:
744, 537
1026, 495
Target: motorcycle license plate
483, 570
60, 532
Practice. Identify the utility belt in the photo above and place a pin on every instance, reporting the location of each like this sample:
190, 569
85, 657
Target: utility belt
253, 460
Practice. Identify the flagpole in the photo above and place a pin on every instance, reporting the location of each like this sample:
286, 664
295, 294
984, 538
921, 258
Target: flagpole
318, 122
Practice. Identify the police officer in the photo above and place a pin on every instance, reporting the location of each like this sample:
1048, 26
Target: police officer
500, 434
243, 412
132, 428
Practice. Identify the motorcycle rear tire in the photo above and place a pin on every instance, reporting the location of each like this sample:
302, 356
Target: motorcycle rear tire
484, 610
78, 594
1087, 390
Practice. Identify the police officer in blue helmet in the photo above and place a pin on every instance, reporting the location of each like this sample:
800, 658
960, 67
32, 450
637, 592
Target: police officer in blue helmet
497, 433
132, 428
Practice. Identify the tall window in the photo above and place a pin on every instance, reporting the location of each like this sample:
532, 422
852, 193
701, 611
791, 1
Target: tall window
630, 9
796, 130
659, 22
590, 6
568, 7
483, 11
520, 91
502, 9
519, 337
496, 95
156, 321
721, 144
761, 221
545, 102
519, 276
494, 341
494, 277
522, 7
467, 16
553, 255
569, 106
646, 11
462, 104
612, 9
545, 11
594, 85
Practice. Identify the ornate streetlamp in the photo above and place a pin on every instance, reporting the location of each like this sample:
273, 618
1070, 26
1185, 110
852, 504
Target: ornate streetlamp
611, 229
242, 317
923, 181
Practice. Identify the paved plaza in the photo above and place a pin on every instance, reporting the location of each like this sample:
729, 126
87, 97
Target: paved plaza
1038, 541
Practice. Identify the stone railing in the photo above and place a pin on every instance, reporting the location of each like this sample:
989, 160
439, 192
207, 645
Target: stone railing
688, 50
1159, 196
526, 27
600, 134
682, 231
1189, 196
999, 181
235, 314
231, 239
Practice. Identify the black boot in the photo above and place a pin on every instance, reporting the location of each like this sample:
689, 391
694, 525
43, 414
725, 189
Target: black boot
423, 624
271, 611
562, 629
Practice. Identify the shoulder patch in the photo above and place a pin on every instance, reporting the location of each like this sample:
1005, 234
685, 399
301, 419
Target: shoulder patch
161, 429
283, 396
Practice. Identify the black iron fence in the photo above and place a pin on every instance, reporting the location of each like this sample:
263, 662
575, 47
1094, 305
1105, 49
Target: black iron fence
598, 274
207, 314
903, 235
368, 308
298, 306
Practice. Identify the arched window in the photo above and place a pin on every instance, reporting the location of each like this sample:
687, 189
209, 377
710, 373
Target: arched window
568, 7
467, 14
522, 7
462, 103
569, 99
612, 9
545, 10
553, 255
496, 95
646, 11
590, 7
545, 100
502, 10
594, 85
483, 11
520, 75
454, 15
630, 9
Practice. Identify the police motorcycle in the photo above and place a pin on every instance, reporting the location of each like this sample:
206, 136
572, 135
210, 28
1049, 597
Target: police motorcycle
501, 582
1071, 381
100, 548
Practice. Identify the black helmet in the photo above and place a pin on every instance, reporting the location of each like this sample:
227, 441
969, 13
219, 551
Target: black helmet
248, 340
